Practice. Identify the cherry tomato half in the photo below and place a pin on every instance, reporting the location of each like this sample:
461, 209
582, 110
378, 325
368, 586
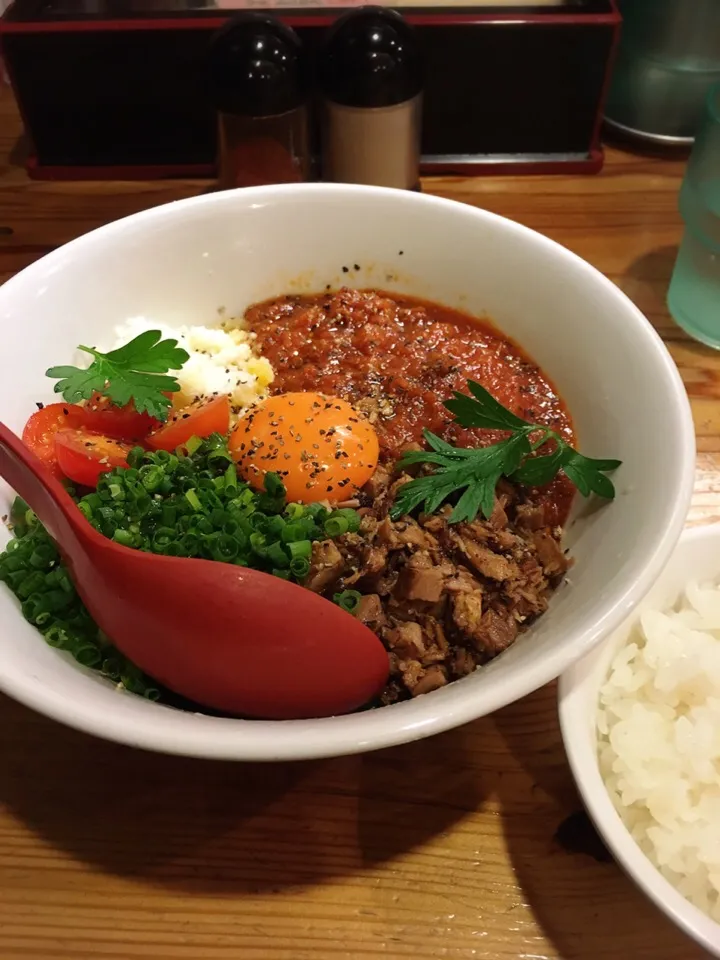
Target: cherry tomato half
83, 456
198, 419
122, 423
40, 430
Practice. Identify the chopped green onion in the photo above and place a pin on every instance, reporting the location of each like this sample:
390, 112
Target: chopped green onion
190, 544
192, 499
293, 531
174, 549
88, 655
224, 547
277, 556
116, 491
193, 445
231, 478
56, 636
124, 537
257, 543
135, 457
336, 526
85, 509
29, 584
299, 567
299, 549
348, 600
151, 475
41, 555
18, 510
352, 517
274, 487
258, 521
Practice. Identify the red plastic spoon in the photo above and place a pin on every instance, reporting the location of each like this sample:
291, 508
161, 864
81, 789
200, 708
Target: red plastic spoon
227, 637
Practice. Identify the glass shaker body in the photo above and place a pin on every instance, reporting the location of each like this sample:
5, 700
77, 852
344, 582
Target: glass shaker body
257, 150
257, 82
371, 76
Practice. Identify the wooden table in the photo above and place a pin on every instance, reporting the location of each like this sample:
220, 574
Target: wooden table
445, 848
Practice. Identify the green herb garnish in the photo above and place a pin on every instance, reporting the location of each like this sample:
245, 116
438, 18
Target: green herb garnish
134, 372
475, 473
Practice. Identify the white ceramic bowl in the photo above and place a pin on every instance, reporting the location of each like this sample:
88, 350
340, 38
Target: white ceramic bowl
181, 262
697, 556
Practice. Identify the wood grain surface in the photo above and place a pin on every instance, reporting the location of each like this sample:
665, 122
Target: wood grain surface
469, 845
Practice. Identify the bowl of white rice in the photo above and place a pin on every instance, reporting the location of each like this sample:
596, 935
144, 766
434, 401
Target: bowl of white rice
640, 719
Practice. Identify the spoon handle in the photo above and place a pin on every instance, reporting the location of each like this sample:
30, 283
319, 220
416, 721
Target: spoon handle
36, 485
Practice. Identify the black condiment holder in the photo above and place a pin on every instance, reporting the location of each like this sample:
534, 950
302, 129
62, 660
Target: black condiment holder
508, 90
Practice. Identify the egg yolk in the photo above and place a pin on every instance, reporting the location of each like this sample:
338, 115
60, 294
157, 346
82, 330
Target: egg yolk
321, 448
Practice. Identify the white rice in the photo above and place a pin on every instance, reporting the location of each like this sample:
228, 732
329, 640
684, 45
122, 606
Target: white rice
222, 359
659, 741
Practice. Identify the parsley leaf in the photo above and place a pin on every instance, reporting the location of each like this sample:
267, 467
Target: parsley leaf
135, 372
474, 473
587, 474
482, 411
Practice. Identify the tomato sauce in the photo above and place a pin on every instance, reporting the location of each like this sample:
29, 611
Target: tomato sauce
397, 359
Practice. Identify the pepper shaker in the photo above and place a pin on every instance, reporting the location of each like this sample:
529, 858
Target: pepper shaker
257, 81
371, 76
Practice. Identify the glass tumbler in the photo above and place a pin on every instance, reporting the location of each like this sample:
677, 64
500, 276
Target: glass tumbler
694, 293
669, 55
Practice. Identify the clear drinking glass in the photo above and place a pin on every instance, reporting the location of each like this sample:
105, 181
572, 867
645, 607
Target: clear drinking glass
694, 294
669, 55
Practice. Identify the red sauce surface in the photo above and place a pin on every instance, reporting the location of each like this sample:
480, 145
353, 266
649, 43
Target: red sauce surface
398, 359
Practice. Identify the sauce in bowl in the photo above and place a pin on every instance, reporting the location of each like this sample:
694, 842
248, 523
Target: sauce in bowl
398, 359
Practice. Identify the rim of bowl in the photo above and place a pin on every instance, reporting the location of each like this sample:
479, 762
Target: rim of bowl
572, 703
258, 740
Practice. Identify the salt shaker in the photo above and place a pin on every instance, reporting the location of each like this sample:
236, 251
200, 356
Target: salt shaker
257, 81
371, 77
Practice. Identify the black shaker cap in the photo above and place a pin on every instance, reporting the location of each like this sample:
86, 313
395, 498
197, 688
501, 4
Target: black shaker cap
371, 58
255, 67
